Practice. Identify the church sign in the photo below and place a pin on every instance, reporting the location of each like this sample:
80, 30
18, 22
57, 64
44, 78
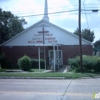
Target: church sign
43, 37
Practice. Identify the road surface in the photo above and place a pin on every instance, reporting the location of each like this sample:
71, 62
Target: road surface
48, 89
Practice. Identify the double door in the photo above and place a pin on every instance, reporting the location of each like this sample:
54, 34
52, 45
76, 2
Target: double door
58, 57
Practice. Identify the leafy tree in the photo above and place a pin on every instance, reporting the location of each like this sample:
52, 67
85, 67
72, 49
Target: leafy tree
86, 34
76, 32
15, 26
97, 44
10, 25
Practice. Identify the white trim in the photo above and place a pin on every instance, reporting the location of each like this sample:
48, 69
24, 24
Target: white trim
21, 33
54, 58
39, 57
45, 58
89, 43
48, 45
58, 55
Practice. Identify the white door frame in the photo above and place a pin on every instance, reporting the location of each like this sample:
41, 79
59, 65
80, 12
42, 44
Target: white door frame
55, 56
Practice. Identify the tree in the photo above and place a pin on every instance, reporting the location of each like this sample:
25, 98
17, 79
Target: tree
97, 46
15, 26
10, 25
86, 34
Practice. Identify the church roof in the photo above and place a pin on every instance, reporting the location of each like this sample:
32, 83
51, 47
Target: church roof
49, 23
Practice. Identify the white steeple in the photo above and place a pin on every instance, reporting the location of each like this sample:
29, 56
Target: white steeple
46, 11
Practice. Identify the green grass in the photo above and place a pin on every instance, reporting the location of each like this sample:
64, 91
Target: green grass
68, 75
45, 75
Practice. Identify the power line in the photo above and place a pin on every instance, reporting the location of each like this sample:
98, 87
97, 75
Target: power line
59, 8
50, 13
57, 12
85, 14
35, 15
29, 12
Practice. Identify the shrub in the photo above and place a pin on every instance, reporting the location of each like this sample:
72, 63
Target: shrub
35, 63
24, 63
74, 62
90, 63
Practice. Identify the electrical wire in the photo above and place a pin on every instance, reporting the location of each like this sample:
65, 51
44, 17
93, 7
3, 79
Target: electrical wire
57, 8
53, 13
86, 14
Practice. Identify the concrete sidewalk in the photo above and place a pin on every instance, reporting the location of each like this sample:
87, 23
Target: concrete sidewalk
63, 69
47, 71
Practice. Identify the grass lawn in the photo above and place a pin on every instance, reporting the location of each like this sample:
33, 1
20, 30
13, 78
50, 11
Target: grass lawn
32, 74
68, 75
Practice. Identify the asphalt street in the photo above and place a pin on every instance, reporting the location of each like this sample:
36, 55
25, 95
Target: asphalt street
48, 89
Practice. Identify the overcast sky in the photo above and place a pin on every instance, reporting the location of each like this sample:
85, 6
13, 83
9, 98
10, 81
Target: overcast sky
68, 20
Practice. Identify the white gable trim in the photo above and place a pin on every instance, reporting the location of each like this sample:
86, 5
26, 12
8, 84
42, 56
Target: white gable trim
47, 23
20, 33
69, 32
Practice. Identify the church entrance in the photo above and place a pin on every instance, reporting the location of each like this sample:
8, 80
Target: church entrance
58, 57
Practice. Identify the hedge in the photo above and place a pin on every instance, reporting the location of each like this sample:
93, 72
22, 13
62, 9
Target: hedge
35, 63
90, 63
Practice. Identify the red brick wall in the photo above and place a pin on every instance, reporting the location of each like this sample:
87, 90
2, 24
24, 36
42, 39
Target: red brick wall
73, 51
14, 53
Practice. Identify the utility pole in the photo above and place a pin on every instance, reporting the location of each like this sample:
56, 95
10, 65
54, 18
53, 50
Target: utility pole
80, 37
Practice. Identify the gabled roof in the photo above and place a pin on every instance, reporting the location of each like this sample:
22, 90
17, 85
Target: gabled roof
47, 23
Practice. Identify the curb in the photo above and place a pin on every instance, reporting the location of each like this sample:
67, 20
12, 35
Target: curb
58, 78
4, 77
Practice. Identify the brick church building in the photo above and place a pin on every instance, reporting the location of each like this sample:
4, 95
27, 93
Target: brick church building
45, 40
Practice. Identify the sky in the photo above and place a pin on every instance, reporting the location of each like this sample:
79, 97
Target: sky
67, 20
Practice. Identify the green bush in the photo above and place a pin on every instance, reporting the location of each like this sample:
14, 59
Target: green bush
74, 62
90, 63
35, 63
24, 63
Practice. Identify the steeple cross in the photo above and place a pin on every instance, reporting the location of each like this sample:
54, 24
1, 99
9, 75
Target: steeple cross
43, 31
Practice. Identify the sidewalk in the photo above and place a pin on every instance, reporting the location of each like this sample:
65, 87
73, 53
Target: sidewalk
63, 69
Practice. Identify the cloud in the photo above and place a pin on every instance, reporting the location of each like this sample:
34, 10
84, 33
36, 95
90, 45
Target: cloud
68, 20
